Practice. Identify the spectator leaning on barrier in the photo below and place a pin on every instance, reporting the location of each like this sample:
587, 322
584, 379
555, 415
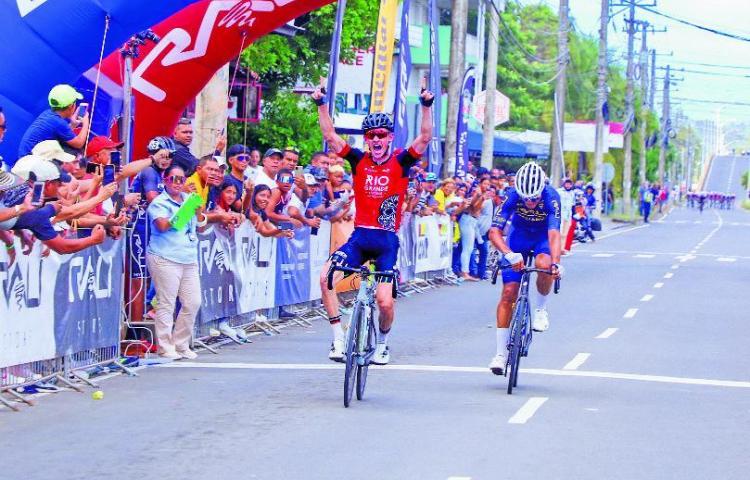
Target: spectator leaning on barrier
172, 259
284, 207
261, 198
238, 157
252, 169
40, 221
183, 137
207, 176
15, 200
57, 123
567, 202
468, 225
272, 161
427, 202
484, 222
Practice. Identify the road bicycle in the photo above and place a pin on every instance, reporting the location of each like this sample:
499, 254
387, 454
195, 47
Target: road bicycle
361, 334
521, 333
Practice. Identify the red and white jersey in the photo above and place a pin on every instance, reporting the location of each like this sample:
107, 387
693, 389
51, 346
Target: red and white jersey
379, 189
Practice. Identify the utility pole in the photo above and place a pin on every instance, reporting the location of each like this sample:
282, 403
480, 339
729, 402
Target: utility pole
653, 80
665, 126
644, 109
557, 159
493, 42
459, 19
601, 98
629, 115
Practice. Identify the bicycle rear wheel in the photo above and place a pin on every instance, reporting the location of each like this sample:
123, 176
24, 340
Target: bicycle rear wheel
351, 354
514, 358
367, 348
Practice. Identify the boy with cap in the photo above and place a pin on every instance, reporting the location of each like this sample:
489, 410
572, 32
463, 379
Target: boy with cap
57, 123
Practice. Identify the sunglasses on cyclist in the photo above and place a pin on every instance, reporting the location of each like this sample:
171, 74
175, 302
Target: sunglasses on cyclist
376, 134
532, 199
176, 179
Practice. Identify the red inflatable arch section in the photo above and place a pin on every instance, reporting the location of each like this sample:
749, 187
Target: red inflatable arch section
195, 43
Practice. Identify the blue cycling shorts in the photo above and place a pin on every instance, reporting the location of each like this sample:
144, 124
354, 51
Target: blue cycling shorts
524, 242
380, 246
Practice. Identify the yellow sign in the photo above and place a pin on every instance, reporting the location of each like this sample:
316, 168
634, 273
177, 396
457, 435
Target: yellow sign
383, 61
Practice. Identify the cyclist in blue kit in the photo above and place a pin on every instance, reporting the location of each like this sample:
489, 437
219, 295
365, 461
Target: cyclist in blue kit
533, 210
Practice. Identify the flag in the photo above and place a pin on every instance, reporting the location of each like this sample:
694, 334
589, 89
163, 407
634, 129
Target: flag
435, 155
383, 61
462, 125
402, 80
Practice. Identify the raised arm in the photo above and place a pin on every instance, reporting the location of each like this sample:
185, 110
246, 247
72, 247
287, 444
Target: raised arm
324, 118
424, 138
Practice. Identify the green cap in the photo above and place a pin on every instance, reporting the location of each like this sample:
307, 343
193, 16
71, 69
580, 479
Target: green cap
62, 96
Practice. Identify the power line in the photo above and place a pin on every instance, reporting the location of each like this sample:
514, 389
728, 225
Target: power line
716, 65
717, 74
695, 25
720, 102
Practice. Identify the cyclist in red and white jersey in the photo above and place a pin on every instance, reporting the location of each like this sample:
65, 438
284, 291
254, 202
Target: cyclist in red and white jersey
381, 177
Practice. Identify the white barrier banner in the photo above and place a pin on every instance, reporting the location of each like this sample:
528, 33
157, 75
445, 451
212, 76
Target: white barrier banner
434, 243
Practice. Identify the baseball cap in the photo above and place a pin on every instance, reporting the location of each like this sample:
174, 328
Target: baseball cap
319, 173
310, 179
97, 144
292, 149
62, 96
431, 177
52, 150
273, 151
43, 170
237, 149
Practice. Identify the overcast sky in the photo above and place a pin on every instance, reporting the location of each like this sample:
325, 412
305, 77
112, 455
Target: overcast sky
689, 45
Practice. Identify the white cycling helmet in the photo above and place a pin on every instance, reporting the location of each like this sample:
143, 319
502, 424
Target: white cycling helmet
530, 180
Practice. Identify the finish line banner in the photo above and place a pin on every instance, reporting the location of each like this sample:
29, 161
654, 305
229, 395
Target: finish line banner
61, 304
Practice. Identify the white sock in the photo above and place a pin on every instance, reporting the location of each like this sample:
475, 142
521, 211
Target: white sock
383, 336
541, 300
502, 341
338, 332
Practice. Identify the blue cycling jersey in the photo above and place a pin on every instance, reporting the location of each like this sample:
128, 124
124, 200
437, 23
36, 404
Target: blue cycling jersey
545, 216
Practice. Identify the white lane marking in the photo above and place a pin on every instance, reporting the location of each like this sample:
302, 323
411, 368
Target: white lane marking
668, 275
658, 284
630, 313
698, 222
603, 255
725, 259
685, 258
577, 361
647, 298
675, 267
459, 478
620, 232
452, 369
677, 255
680, 221
644, 255
607, 333
527, 410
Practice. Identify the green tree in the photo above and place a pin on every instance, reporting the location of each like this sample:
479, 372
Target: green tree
282, 62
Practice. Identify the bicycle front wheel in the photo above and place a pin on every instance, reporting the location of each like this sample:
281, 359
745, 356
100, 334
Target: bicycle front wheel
351, 353
514, 357
368, 348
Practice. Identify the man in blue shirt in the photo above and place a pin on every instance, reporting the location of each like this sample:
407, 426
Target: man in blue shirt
57, 123
533, 209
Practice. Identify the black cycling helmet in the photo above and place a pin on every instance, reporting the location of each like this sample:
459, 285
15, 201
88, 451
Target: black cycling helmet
377, 120
161, 143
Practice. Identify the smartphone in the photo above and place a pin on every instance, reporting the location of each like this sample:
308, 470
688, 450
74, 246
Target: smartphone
116, 158
286, 226
108, 174
299, 171
82, 109
118, 204
37, 197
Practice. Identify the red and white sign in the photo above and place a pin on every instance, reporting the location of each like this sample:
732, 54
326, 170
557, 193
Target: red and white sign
502, 107
195, 43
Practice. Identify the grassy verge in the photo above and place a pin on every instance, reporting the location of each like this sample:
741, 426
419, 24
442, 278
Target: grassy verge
746, 204
621, 217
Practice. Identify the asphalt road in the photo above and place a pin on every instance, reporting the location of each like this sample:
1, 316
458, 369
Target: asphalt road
645, 374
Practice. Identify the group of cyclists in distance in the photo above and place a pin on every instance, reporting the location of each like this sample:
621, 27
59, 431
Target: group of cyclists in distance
529, 221
701, 200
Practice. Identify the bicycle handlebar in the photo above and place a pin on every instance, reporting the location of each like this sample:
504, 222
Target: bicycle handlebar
365, 272
525, 270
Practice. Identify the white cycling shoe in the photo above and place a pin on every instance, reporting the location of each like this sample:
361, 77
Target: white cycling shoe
337, 351
382, 354
540, 322
497, 365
